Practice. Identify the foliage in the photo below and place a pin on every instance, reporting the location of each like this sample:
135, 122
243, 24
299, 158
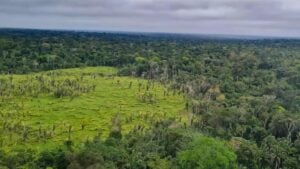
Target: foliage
204, 152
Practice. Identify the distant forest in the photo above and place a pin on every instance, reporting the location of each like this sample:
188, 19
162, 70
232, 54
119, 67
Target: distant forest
242, 91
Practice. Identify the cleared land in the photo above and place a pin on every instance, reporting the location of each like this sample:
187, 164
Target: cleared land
42, 110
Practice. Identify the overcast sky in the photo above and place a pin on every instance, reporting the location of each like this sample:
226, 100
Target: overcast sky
241, 17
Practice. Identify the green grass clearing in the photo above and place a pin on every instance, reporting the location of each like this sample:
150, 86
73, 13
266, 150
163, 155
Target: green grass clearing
44, 121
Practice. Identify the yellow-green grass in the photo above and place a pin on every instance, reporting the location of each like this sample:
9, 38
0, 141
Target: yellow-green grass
93, 110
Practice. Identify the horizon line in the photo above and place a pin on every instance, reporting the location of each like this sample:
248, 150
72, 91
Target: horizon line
210, 35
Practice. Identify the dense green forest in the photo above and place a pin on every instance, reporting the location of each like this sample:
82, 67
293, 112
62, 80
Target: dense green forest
242, 97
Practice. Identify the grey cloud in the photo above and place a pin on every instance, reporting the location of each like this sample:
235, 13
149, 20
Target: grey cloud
261, 17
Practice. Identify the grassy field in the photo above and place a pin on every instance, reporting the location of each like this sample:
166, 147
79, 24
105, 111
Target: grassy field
42, 110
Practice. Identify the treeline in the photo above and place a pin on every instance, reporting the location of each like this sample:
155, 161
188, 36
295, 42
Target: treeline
24, 51
243, 91
161, 147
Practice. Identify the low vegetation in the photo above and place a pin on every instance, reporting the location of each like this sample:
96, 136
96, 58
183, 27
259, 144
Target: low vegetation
45, 109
